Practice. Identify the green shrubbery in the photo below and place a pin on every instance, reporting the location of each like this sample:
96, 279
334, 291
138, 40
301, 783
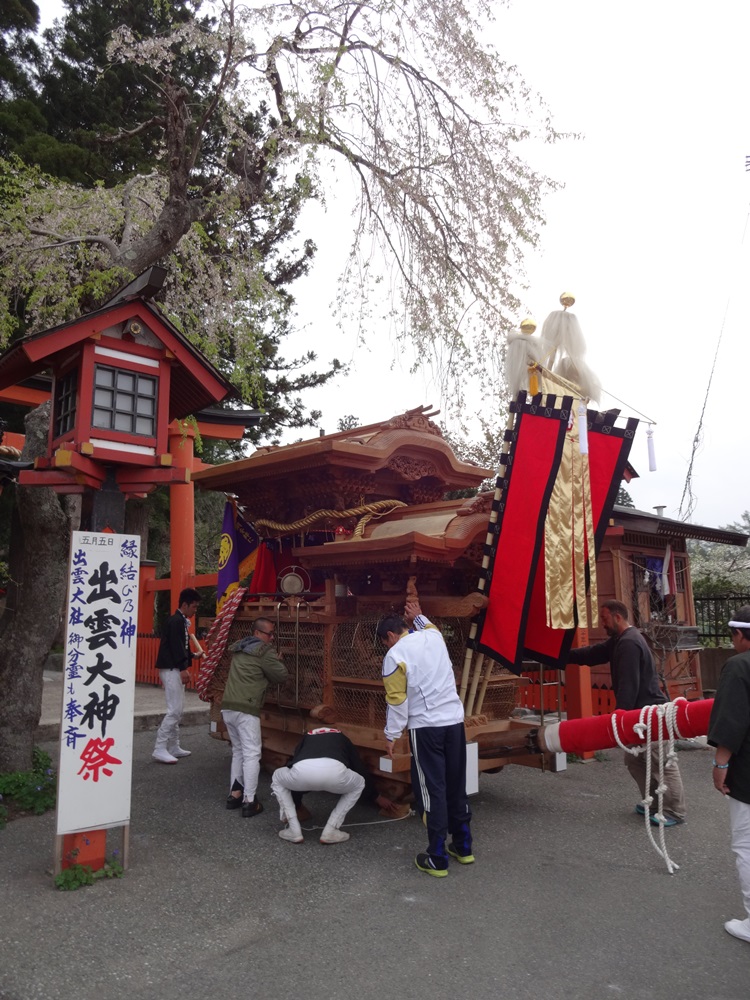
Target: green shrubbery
31, 791
76, 876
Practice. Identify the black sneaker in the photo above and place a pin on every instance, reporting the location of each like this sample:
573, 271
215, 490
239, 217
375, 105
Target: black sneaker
463, 859
425, 863
234, 801
251, 808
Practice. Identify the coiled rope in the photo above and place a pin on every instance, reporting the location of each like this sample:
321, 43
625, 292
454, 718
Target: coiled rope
370, 510
668, 713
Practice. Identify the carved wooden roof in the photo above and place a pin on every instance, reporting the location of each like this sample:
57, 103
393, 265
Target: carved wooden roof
405, 458
440, 532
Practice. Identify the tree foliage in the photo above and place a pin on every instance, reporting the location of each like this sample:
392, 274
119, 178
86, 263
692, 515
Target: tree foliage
716, 568
624, 499
428, 120
84, 187
19, 52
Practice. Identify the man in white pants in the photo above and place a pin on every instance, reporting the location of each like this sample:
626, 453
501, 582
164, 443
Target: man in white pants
255, 665
173, 661
324, 761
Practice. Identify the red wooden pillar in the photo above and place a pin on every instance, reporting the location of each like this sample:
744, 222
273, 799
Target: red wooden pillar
146, 597
580, 704
181, 512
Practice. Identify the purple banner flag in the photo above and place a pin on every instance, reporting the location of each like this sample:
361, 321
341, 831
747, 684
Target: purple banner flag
238, 553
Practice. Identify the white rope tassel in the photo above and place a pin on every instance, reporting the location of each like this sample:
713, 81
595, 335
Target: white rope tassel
667, 712
651, 452
583, 429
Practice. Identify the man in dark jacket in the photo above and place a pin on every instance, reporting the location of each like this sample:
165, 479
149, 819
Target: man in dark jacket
255, 665
635, 685
729, 733
325, 761
172, 661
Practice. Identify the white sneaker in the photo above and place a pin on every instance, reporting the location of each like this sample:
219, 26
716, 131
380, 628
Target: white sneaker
738, 928
333, 836
294, 836
179, 752
164, 757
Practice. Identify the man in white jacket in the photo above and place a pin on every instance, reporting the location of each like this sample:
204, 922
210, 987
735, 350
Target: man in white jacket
421, 696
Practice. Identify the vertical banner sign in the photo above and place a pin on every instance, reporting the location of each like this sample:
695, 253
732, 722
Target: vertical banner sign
96, 734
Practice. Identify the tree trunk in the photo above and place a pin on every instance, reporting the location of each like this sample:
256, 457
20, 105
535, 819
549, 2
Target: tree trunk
136, 521
38, 558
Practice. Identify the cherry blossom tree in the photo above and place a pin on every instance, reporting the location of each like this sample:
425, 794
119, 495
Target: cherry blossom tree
429, 122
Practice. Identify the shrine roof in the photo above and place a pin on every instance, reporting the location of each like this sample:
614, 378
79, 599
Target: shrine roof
664, 527
408, 447
195, 382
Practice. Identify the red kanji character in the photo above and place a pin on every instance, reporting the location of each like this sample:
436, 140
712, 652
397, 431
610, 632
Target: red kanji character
95, 756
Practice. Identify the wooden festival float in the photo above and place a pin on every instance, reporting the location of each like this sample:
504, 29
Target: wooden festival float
356, 521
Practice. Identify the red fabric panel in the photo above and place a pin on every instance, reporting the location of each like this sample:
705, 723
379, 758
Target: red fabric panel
605, 450
536, 457
264, 576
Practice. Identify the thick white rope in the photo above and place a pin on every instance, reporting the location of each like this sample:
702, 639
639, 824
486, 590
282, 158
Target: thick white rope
649, 714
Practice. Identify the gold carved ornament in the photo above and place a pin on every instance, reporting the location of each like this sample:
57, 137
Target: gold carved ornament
366, 512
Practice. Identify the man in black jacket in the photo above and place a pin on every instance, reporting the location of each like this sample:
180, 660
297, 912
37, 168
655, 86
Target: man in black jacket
729, 733
324, 761
172, 661
635, 685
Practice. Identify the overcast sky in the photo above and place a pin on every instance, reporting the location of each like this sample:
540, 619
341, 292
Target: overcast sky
648, 233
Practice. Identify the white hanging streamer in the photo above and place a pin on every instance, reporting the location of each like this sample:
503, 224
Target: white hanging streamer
651, 452
583, 430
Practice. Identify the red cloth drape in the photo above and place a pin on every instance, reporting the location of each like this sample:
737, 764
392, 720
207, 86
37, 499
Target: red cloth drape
513, 626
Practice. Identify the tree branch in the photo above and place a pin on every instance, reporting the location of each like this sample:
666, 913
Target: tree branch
60, 241
111, 138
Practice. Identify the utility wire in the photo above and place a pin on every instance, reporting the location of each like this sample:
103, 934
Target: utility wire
697, 440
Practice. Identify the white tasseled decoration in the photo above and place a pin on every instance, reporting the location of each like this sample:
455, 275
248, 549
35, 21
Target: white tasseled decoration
523, 350
566, 348
651, 452
562, 331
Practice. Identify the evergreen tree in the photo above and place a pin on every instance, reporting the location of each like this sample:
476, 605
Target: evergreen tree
19, 53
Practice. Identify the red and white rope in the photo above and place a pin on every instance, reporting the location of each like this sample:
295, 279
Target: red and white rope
216, 640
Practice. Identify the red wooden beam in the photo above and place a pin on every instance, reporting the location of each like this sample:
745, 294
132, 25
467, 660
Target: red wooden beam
24, 396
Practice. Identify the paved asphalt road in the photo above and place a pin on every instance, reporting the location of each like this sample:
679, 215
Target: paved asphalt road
567, 899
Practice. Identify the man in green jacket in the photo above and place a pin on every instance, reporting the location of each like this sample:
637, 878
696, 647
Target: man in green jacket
255, 665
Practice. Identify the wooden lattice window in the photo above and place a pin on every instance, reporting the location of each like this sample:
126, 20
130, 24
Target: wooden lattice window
124, 401
66, 393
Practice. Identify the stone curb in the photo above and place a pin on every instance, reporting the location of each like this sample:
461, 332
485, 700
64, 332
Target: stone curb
148, 721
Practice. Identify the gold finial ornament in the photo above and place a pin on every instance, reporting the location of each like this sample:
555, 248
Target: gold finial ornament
567, 300
528, 325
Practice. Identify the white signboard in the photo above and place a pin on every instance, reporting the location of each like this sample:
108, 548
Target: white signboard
96, 734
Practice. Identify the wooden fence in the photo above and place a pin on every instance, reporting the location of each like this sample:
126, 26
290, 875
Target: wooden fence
538, 687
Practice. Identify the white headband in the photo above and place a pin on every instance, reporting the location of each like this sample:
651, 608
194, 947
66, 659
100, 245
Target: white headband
739, 624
